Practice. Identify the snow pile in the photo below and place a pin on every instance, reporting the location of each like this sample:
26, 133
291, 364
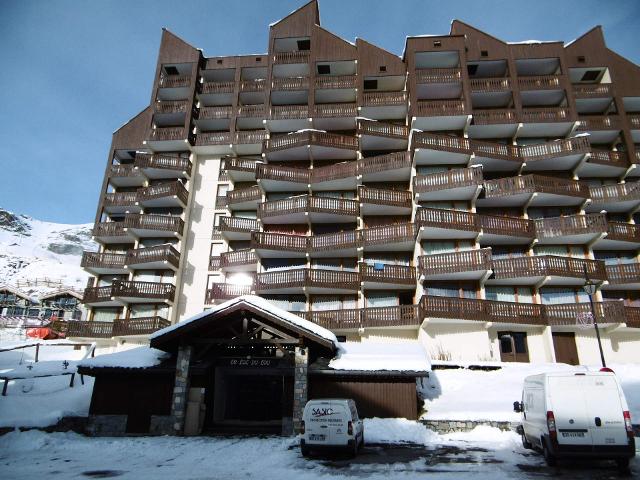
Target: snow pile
397, 430
139, 357
370, 356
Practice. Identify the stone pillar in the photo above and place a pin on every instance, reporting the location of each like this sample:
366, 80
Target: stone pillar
300, 385
181, 389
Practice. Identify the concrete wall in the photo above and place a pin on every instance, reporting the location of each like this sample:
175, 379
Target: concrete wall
467, 342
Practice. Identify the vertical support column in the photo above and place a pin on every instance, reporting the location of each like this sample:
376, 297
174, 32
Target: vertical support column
547, 338
181, 389
300, 387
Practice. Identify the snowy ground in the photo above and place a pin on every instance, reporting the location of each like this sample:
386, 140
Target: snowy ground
485, 453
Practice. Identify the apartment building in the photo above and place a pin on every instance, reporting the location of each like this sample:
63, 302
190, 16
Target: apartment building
462, 194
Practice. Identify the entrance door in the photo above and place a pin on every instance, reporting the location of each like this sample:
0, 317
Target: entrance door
513, 346
564, 344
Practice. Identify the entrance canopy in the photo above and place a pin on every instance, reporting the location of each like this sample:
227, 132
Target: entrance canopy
245, 320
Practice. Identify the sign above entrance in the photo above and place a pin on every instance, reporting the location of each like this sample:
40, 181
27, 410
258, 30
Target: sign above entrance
255, 362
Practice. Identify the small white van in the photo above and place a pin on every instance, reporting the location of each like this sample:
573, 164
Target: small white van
331, 423
573, 414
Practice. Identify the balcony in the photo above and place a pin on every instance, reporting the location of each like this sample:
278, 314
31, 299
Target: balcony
84, 329
147, 225
619, 236
250, 116
216, 93
275, 178
139, 326
214, 263
430, 149
291, 57
456, 184
290, 91
339, 244
438, 224
288, 118
335, 116
257, 85
276, 245
493, 122
244, 198
632, 317
164, 166
164, 195
214, 143
598, 90
237, 228
106, 263
378, 201
123, 292
214, 118
439, 115
634, 126
159, 257
533, 191
335, 89
570, 230
563, 154
338, 176
396, 237
127, 175
489, 85
308, 280
545, 122
174, 87
382, 136
121, 202
546, 270
311, 144
249, 142
601, 128
167, 139
607, 313
604, 163
499, 230
372, 317
624, 276
437, 77
618, 198
392, 167
238, 261
384, 105
241, 169
304, 208
471, 309
458, 266
226, 291
540, 82
377, 276
170, 112
111, 232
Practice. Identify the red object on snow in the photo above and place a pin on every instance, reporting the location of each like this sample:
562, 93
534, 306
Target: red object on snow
42, 333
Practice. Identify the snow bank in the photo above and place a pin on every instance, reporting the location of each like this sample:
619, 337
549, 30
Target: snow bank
397, 430
370, 356
140, 357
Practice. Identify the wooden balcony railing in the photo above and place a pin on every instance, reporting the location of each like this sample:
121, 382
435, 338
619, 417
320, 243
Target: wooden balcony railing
305, 203
103, 260
548, 265
379, 196
402, 274
120, 199
495, 150
454, 262
623, 273
508, 226
335, 82
110, 229
285, 112
625, 232
163, 190
545, 114
236, 164
372, 317
237, 258
257, 85
174, 81
238, 224
444, 143
245, 137
456, 178
447, 219
632, 317
433, 108
214, 138
281, 207
391, 130
216, 112
489, 85
336, 319
97, 294
224, 291
279, 241
78, 328
290, 83
384, 163
541, 151
302, 139
384, 99
330, 110
540, 82
598, 123
570, 225
221, 202
301, 56
438, 75
493, 116
335, 206
598, 90
159, 253
155, 290
334, 241
385, 234
126, 170
610, 158
336, 171
139, 326
218, 87
167, 134
283, 174
252, 111
615, 193
634, 122
242, 195
565, 314
171, 106
214, 263
163, 161
154, 222
308, 277
535, 183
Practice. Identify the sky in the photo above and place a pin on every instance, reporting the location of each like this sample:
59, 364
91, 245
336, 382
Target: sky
77, 70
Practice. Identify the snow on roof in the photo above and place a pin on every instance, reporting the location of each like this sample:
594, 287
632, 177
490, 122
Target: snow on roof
307, 130
262, 305
141, 357
370, 356
533, 42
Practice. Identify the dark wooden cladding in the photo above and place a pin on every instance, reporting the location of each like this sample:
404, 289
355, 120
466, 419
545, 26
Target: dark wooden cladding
463, 261
535, 183
379, 196
548, 265
455, 178
571, 225
623, 273
403, 274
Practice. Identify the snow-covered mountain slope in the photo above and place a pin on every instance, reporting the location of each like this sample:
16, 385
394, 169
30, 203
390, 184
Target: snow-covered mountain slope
33, 250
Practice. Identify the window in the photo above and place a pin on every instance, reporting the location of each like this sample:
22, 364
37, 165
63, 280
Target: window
472, 69
590, 76
581, 59
371, 84
258, 59
219, 62
437, 43
383, 68
484, 53
171, 70
513, 340
324, 69
304, 44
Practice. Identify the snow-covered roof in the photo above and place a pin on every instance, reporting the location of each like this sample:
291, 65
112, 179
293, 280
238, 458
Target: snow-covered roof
533, 42
141, 357
262, 305
16, 292
409, 356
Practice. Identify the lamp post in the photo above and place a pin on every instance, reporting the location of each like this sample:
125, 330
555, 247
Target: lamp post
590, 289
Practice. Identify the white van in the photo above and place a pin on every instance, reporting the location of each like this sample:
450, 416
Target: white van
331, 423
572, 414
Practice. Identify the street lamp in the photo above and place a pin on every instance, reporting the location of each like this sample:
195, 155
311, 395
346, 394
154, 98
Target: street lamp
590, 289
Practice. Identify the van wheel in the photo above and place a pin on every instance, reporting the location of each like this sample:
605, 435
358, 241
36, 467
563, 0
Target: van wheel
623, 465
304, 450
548, 456
525, 443
354, 451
